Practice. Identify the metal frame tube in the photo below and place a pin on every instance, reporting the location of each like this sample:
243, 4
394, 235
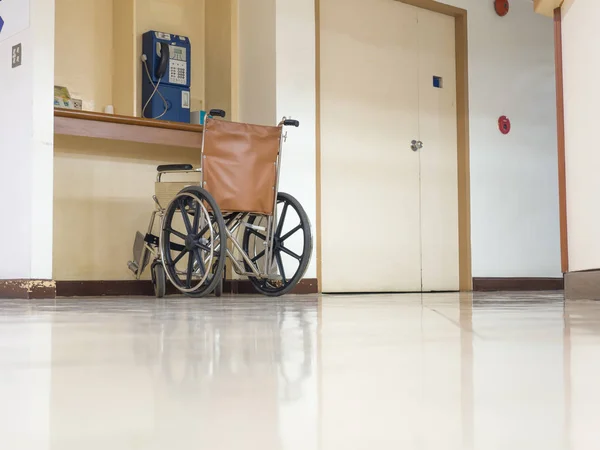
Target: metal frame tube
206, 119
245, 256
272, 220
160, 174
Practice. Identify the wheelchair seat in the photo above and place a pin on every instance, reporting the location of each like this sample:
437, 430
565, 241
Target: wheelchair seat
169, 167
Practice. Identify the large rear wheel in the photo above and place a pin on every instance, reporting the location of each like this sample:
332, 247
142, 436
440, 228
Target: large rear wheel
193, 242
292, 247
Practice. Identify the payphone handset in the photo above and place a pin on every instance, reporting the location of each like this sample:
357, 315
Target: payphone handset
163, 62
170, 59
167, 72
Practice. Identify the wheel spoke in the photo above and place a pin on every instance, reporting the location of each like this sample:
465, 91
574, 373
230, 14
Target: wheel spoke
257, 257
290, 233
196, 217
176, 233
280, 265
201, 233
291, 253
203, 247
190, 270
186, 218
181, 255
282, 219
256, 233
200, 261
176, 247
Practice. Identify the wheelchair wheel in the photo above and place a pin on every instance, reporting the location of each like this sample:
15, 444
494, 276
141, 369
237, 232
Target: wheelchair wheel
159, 280
219, 289
292, 246
193, 242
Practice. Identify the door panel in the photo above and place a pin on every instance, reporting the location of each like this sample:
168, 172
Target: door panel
369, 175
439, 157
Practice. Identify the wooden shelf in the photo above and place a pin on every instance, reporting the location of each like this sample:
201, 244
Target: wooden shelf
124, 128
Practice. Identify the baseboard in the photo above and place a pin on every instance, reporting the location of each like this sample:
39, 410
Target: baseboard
517, 284
582, 285
27, 289
118, 288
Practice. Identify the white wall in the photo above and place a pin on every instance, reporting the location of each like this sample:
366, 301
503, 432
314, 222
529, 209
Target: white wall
296, 98
514, 179
582, 95
26, 142
277, 78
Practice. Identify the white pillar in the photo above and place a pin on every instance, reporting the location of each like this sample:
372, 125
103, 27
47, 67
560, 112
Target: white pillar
26, 140
277, 77
581, 36
296, 98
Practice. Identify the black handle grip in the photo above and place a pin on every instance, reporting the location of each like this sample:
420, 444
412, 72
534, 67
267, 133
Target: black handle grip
217, 113
291, 123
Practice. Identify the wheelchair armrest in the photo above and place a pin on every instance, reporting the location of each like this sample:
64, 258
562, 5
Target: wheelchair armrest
173, 167
217, 113
291, 123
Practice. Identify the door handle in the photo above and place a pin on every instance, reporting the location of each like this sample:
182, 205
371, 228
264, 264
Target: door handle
416, 145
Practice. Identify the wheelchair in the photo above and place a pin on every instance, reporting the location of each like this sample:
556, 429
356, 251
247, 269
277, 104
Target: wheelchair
232, 209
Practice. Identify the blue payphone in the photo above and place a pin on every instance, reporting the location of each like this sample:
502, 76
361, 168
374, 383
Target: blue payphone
166, 73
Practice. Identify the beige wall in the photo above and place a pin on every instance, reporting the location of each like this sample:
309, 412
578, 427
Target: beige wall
103, 189
98, 47
84, 50
257, 62
102, 196
218, 51
124, 59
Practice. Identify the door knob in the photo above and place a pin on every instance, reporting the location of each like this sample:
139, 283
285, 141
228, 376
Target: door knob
416, 145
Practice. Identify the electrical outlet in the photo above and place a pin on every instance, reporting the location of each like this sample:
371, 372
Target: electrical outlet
77, 104
16, 55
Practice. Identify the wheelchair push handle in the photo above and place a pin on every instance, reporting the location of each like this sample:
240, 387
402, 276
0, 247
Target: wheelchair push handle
290, 123
217, 113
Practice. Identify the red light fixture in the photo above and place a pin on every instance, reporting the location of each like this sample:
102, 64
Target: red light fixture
504, 124
502, 7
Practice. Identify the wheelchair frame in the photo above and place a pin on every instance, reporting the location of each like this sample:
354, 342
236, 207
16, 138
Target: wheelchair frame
234, 222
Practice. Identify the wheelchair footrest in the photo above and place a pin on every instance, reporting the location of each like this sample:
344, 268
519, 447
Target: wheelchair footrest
133, 266
138, 254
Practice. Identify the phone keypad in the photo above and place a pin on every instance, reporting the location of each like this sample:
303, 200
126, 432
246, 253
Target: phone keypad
178, 72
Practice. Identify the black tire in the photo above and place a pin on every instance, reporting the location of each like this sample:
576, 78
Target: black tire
219, 289
159, 279
198, 239
276, 288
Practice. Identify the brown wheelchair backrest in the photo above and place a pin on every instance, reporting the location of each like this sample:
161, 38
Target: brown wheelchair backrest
239, 165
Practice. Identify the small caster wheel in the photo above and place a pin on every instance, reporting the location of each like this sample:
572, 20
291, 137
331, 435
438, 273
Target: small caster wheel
159, 280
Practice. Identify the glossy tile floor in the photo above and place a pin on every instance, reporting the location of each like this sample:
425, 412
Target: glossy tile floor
449, 371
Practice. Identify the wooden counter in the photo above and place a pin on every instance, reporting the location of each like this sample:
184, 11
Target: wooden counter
124, 128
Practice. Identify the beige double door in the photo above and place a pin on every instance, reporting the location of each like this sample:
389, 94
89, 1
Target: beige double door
389, 209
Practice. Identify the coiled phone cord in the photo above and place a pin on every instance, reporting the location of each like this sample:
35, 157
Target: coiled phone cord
145, 61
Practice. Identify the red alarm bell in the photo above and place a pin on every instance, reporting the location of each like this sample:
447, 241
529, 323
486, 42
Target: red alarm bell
502, 7
504, 124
